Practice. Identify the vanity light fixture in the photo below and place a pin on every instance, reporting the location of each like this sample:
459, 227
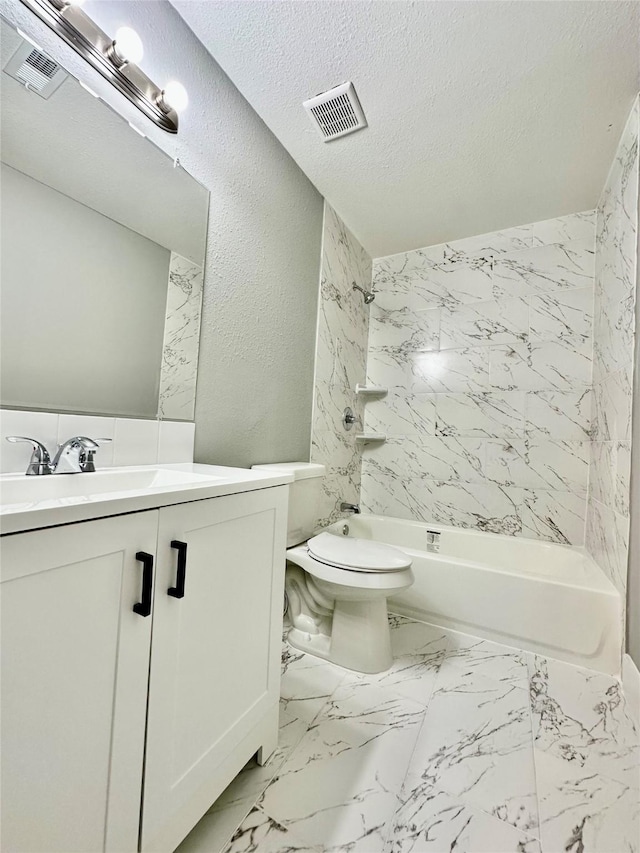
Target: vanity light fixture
114, 58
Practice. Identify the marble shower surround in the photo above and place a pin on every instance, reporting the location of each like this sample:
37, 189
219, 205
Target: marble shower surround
485, 345
179, 368
341, 355
614, 337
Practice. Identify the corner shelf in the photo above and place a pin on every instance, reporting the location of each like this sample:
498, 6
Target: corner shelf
371, 390
366, 437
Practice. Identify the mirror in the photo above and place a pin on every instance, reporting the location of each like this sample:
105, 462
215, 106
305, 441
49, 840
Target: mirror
102, 253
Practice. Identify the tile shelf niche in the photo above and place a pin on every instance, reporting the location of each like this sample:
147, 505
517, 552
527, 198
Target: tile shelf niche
370, 392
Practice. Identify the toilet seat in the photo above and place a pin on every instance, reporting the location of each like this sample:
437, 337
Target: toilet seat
356, 555
349, 578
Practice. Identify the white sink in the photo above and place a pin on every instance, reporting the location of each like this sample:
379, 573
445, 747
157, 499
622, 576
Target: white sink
43, 501
14, 490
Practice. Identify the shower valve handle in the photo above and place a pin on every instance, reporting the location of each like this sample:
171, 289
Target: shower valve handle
349, 419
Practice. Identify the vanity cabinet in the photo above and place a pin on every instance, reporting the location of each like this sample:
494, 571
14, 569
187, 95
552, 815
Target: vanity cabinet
87, 680
74, 687
215, 657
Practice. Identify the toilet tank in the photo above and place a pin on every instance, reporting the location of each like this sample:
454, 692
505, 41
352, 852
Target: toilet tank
304, 497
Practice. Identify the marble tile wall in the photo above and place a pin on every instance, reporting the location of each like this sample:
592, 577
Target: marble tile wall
179, 368
614, 333
485, 345
341, 354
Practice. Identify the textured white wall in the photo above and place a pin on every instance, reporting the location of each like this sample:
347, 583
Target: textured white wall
255, 373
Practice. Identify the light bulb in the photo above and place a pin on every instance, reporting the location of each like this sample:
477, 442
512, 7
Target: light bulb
175, 95
128, 45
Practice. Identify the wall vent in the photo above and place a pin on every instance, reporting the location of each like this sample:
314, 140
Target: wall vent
35, 70
337, 112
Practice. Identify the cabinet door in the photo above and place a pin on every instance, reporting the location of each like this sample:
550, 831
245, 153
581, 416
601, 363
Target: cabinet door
75, 662
215, 652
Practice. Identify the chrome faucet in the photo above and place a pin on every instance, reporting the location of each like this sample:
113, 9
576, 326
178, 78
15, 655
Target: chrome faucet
40, 462
346, 507
75, 456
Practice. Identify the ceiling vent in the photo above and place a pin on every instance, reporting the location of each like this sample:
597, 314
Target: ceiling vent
337, 112
35, 70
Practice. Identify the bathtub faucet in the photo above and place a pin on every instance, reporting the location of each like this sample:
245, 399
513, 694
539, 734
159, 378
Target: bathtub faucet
354, 508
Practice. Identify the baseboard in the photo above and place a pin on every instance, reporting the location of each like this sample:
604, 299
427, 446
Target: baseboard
631, 686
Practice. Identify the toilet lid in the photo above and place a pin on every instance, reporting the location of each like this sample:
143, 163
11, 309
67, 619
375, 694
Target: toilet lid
359, 555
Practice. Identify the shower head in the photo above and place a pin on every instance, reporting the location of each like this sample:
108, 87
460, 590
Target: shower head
367, 294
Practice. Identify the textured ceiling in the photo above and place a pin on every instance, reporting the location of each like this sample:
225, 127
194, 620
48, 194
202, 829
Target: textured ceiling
482, 115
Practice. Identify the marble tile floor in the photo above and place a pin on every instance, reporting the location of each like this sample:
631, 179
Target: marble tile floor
464, 746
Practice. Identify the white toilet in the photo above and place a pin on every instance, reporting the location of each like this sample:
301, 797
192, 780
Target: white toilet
337, 586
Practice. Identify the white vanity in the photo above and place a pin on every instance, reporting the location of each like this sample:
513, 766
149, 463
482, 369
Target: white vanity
141, 634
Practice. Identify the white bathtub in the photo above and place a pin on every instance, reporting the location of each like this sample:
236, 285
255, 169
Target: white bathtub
545, 598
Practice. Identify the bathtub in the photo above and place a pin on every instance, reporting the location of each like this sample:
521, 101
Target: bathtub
544, 598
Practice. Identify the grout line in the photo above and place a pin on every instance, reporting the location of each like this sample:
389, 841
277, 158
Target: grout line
530, 659
386, 832
426, 709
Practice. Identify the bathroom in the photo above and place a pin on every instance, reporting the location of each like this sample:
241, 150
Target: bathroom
326, 343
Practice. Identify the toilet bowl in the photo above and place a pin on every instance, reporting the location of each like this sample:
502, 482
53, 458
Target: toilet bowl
336, 585
337, 588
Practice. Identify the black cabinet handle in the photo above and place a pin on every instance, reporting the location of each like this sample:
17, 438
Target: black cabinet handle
143, 608
177, 591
